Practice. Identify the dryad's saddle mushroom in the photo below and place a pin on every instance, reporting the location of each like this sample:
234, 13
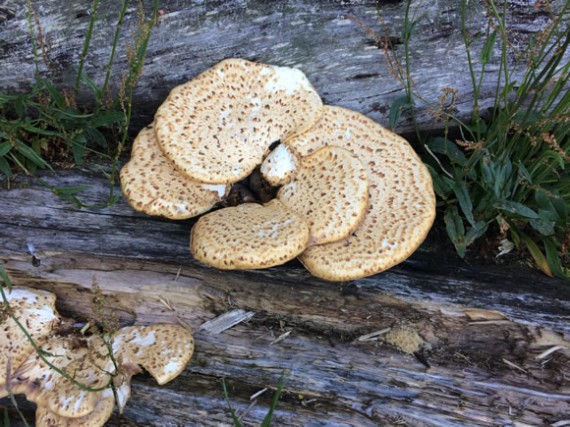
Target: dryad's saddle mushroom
100, 366
218, 127
351, 198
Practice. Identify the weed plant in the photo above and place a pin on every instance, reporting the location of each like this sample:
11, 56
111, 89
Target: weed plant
506, 176
46, 127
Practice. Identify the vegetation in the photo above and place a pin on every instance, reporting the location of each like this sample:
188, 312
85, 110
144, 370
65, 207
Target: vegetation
46, 127
505, 176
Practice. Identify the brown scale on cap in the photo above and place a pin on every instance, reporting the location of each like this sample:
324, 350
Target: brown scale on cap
331, 191
163, 350
152, 184
249, 236
35, 310
401, 198
218, 127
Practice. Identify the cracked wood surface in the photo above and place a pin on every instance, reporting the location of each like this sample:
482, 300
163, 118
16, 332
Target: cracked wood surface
338, 44
478, 367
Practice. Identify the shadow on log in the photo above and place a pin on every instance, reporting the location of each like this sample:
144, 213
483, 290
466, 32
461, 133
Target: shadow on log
493, 349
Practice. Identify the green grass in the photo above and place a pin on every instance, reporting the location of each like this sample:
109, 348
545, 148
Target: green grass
46, 128
268, 419
506, 176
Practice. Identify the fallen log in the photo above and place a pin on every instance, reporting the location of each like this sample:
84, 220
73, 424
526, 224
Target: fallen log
350, 50
432, 342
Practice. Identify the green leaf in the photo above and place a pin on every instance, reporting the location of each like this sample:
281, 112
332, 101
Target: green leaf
488, 48
5, 148
107, 118
474, 232
55, 94
536, 253
31, 155
517, 209
455, 230
450, 149
269, 417
543, 226
398, 106
4, 278
464, 200
78, 144
553, 257
235, 419
5, 167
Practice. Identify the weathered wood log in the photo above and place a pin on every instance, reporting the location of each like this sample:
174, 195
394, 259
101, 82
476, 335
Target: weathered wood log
340, 45
495, 339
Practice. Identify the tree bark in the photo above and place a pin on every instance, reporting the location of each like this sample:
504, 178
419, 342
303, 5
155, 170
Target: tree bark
486, 330
350, 50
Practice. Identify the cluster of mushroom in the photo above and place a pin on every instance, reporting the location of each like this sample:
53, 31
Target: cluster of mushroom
352, 198
100, 379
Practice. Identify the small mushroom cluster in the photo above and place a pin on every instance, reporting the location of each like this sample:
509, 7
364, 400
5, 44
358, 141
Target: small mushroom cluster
352, 198
163, 350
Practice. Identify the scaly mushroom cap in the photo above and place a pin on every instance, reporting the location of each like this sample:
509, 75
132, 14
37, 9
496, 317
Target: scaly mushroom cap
152, 184
65, 397
331, 191
218, 127
163, 350
34, 376
102, 411
35, 310
401, 203
249, 236
279, 166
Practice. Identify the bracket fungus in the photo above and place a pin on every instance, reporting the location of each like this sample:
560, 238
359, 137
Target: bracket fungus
346, 196
98, 367
217, 127
249, 236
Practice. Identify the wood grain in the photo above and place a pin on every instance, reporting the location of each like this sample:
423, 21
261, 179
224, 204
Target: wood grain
476, 367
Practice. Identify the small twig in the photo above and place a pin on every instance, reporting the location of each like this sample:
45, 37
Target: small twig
374, 336
281, 337
514, 365
549, 351
438, 162
258, 393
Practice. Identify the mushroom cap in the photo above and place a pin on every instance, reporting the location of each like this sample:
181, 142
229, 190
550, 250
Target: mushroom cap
218, 127
34, 376
249, 236
279, 166
152, 184
330, 190
102, 411
163, 350
35, 309
401, 201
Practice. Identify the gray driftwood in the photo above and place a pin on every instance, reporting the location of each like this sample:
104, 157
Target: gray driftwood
483, 367
338, 44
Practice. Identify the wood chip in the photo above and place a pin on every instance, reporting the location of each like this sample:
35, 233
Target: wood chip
226, 321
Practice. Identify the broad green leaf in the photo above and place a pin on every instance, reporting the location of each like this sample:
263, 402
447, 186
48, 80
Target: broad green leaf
464, 200
536, 253
543, 226
5, 167
455, 230
524, 172
398, 105
474, 232
5, 148
31, 155
553, 257
107, 118
450, 149
518, 209
78, 144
